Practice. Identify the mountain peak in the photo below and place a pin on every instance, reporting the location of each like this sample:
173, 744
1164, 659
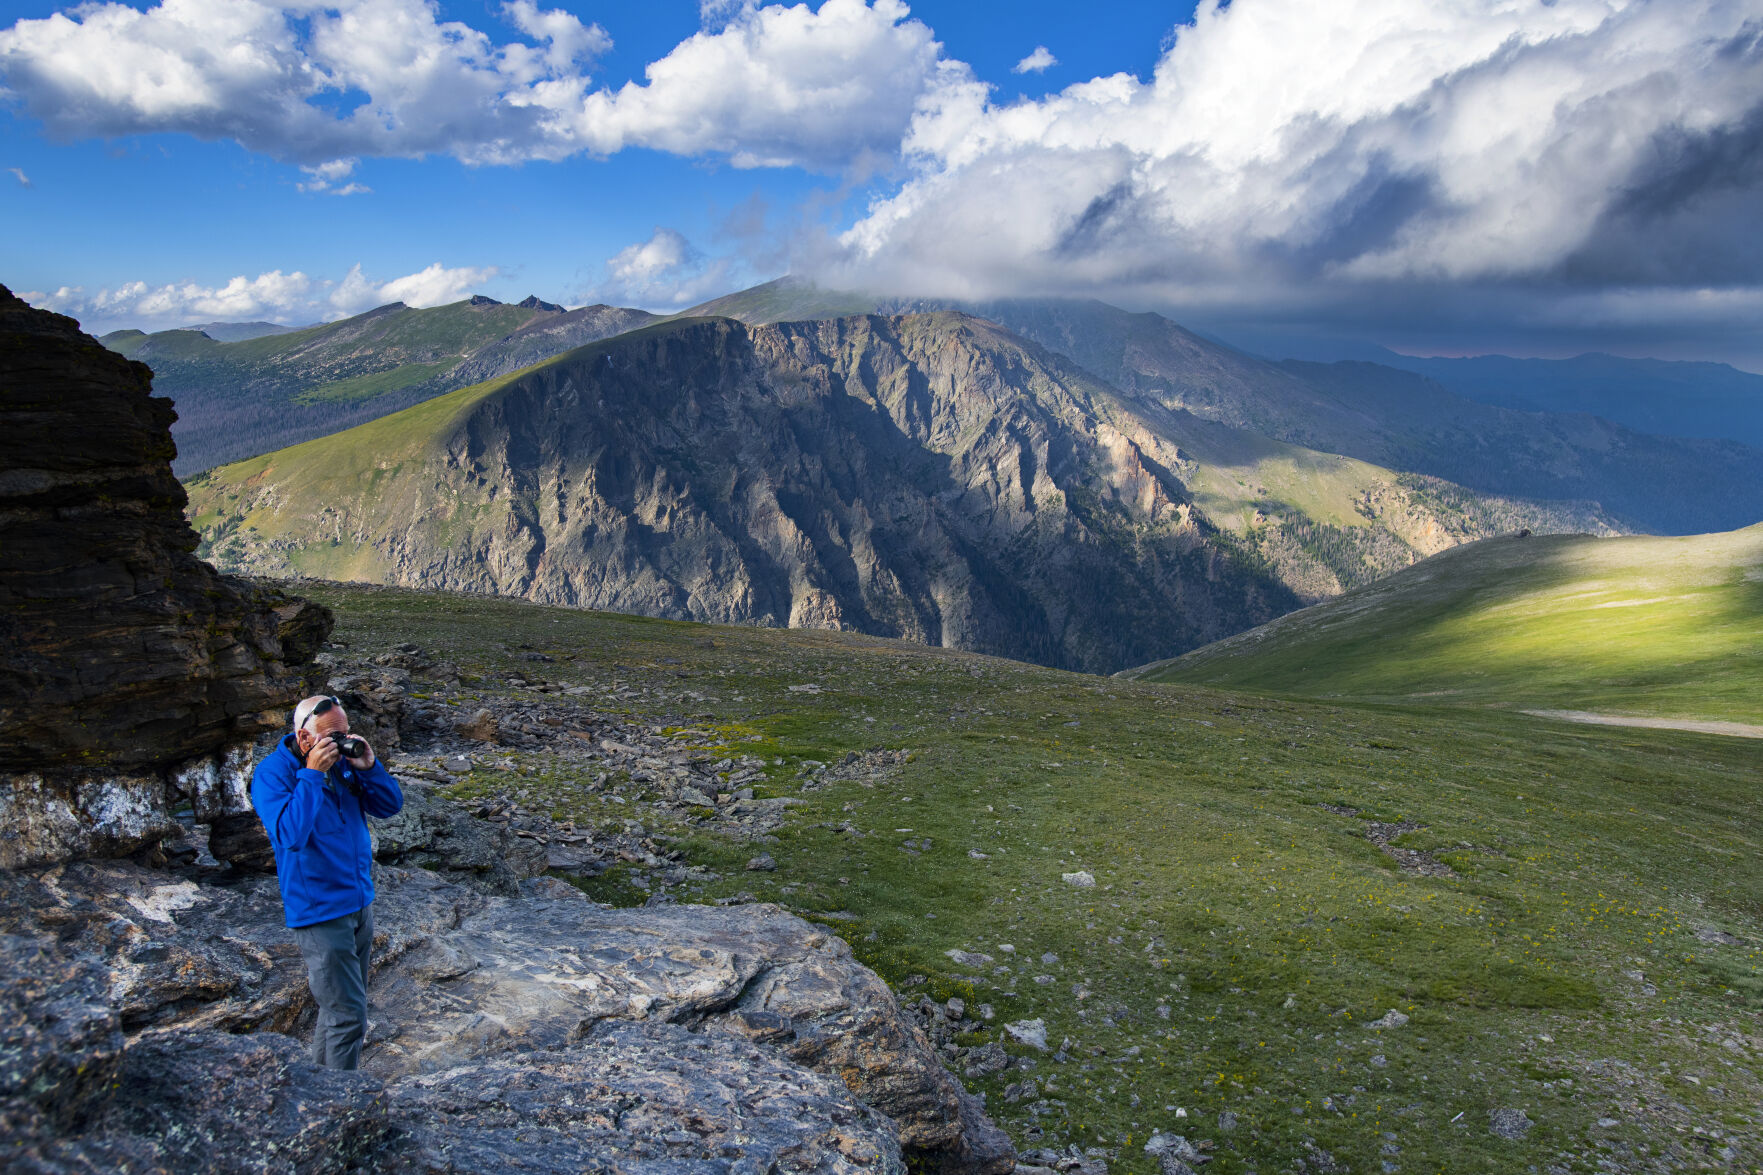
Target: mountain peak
533, 302
483, 300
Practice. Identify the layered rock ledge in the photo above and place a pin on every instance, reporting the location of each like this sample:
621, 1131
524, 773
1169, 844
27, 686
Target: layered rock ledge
132, 674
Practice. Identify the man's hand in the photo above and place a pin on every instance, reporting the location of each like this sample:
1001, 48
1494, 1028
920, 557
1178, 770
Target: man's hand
323, 755
365, 761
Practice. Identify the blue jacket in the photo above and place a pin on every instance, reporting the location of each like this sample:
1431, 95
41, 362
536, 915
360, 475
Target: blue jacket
323, 857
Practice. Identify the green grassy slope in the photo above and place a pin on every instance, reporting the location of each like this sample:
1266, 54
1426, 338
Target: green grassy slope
355, 474
1243, 931
1661, 627
257, 394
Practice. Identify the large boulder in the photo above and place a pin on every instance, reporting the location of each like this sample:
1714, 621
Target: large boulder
127, 665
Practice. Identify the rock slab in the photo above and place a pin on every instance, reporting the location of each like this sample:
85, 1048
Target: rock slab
540, 1027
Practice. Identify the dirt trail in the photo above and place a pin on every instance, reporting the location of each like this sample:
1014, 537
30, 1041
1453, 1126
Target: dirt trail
1700, 726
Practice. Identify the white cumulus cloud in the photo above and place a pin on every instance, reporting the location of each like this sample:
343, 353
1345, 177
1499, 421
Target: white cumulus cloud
665, 271
435, 286
319, 80
1385, 141
288, 298
1040, 59
329, 177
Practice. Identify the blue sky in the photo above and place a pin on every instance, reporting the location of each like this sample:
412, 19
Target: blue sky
1530, 177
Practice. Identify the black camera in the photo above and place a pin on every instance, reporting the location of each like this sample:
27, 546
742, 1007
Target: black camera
351, 746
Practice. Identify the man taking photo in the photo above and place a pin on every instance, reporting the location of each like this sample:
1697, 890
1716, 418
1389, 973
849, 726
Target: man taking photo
313, 793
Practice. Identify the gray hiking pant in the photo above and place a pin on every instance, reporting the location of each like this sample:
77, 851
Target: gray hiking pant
336, 954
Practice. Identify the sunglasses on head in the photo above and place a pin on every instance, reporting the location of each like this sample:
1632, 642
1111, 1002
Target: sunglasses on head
325, 704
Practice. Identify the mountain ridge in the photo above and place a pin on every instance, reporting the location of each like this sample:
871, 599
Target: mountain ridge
238, 398
927, 476
1376, 413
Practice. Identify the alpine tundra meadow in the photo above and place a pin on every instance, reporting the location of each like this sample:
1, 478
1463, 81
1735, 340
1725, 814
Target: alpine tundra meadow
713, 587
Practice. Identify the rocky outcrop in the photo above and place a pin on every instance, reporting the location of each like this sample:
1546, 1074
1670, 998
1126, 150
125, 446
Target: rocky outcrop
132, 674
539, 1025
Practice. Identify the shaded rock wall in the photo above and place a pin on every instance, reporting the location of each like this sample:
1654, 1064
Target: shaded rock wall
130, 670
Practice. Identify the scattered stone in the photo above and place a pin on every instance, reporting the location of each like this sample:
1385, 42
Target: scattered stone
1175, 1146
1716, 935
763, 863
969, 958
1378, 1061
1081, 879
1032, 1033
1390, 1019
481, 727
1509, 1123
436, 834
988, 1058
1227, 1121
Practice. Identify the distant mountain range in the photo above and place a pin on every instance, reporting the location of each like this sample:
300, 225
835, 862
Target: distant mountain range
1669, 398
1510, 428
1057, 480
234, 332
1390, 417
252, 394
1679, 398
929, 476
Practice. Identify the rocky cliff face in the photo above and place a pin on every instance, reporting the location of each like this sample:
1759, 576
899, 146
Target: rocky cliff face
132, 675
1398, 419
929, 477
